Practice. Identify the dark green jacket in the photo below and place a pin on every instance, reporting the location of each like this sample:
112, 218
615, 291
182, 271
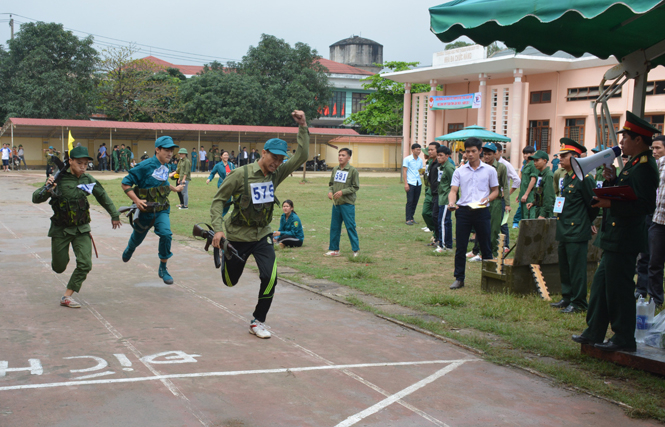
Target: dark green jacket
528, 172
447, 170
348, 188
545, 189
67, 189
624, 227
574, 222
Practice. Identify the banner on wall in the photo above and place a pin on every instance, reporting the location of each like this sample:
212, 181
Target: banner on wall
455, 102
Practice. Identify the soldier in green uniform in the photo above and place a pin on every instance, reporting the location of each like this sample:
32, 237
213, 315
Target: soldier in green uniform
116, 159
70, 223
622, 236
543, 200
252, 187
445, 222
342, 187
213, 157
529, 176
574, 229
496, 211
123, 155
49, 153
184, 171
429, 200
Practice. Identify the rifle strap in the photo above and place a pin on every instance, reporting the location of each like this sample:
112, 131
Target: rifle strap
93, 245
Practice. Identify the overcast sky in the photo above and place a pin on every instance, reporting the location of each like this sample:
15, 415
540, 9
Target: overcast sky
224, 30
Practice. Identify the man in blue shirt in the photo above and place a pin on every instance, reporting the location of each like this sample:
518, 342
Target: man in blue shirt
148, 182
412, 183
103, 158
555, 163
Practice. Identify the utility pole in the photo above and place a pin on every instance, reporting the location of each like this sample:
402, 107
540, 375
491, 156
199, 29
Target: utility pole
11, 24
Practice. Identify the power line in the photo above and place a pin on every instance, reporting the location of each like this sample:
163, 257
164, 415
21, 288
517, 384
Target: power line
181, 55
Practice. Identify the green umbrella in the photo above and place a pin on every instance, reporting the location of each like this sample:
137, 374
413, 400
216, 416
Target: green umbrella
473, 131
599, 27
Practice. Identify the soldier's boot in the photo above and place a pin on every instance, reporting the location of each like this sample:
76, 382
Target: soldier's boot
164, 273
127, 254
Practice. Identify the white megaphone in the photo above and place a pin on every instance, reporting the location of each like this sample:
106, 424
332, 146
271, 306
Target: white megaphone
583, 166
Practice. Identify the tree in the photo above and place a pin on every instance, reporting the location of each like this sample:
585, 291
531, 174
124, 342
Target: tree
494, 48
47, 73
457, 44
383, 112
137, 90
289, 78
221, 97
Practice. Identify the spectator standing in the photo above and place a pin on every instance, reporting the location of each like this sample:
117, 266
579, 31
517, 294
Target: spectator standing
555, 163
223, 169
529, 177
515, 178
432, 177
243, 157
254, 156
543, 197
195, 159
290, 231
232, 158
202, 159
116, 159
479, 185
497, 206
21, 156
103, 158
214, 157
654, 282
446, 170
412, 183
184, 171
6, 157
342, 187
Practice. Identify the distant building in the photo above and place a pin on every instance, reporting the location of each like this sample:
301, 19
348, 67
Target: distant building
358, 52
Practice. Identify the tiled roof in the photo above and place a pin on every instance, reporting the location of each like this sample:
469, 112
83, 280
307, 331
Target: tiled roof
188, 70
366, 139
339, 68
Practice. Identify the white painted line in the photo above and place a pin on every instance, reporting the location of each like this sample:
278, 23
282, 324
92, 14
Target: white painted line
395, 397
235, 373
101, 374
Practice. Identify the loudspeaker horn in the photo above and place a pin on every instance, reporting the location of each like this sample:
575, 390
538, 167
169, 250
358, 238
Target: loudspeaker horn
583, 166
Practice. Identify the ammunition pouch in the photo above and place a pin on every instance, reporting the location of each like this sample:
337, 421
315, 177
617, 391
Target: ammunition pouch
538, 197
248, 214
69, 213
156, 194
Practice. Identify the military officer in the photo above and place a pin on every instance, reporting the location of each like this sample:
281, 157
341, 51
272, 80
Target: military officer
622, 236
70, 223
252, 187
148, 182
574, 229
543, 199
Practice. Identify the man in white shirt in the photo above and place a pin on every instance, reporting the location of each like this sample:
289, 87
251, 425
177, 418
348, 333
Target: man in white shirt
21, 156
6, 155
202, 158
514, 176
412, 183
479, 185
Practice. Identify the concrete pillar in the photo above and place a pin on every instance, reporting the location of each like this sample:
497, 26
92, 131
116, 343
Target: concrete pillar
516, 114
406, 121
431, 117
482, 111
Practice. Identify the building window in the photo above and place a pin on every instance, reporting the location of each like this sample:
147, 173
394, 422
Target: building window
656, 121
357, 100
574, 130
336, 108
541, 97
539, 134
606, 131
590, 93
656, 88
454, 127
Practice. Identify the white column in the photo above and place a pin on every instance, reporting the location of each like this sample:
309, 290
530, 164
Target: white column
431, 120
516, 130
406, 122
482, 111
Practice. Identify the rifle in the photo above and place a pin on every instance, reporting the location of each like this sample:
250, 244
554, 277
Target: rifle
228, 252
131, 210
57, 176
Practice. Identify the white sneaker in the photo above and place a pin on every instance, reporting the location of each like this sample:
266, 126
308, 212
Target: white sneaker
426, 230
331, 253
476, 258
69, 302
259, 329
469, 254
440, 250
356, 253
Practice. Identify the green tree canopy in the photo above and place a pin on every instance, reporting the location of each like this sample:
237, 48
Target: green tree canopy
457, 44
384, 108
290, 79
47, 72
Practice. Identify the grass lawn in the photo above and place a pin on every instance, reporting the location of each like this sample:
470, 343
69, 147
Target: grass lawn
396, 265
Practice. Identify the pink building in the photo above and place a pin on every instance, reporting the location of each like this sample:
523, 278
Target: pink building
529, 97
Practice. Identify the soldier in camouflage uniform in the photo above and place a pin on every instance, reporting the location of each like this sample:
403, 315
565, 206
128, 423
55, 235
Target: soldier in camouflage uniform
70, 223
248, 228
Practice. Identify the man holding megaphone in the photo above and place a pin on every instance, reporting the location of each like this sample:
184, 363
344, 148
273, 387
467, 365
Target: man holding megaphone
623, 235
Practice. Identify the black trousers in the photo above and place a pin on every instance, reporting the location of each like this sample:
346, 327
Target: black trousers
435, 218
412, 197
264, 254
467, 219
656, 261
642, 266
290, 242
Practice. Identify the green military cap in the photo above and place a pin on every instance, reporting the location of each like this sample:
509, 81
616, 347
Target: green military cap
539, 155
571, 146
183, 151
637, 125
79, 152
276, 146
490, 146
165, 142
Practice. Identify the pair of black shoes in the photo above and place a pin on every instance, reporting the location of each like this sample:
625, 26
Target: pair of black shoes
566, 307
457, 284
607, 346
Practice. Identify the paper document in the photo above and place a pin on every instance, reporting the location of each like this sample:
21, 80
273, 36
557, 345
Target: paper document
476, 205
504, 221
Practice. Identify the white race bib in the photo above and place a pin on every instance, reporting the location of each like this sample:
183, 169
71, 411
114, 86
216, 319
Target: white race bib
440, 175
340, 176
262, 192
558, 205
540, 179
599, 184
561, 184
87, 187
161, 173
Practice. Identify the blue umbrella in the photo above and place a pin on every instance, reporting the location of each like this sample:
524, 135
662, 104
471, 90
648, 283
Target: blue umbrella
473, 131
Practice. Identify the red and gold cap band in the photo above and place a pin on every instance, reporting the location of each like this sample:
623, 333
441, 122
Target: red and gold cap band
632, 127
565, 147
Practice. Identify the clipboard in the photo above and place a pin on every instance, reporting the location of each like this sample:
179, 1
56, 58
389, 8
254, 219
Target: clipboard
623, 192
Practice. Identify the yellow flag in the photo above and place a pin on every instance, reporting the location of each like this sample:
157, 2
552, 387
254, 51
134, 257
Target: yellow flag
70, 143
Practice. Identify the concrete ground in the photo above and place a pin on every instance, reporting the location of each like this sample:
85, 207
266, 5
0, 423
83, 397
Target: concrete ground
142, 353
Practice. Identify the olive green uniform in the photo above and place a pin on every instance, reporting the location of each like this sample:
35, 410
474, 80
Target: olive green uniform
124, 158
427, 204
70, 223
496, 213
115, 158
622, 236
248, 227
573, 232
557, 180
528, 172
543, 200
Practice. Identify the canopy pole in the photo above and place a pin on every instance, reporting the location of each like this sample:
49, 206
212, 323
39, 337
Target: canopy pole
62, 139
640, 91
196, 167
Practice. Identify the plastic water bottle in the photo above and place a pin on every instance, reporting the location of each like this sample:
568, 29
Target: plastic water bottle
641, 320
